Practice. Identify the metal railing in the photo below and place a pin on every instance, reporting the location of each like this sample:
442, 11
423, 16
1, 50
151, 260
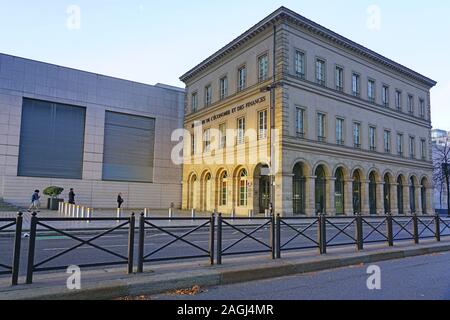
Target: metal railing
14, 266
36, 222
149, 225
266, 224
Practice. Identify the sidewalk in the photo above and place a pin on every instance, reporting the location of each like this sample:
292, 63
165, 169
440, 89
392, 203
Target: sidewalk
114, 283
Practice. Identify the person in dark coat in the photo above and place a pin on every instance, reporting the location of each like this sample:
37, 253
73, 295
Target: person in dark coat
35, 201
120, 201
71, 196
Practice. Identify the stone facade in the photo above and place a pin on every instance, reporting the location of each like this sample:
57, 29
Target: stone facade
22, 78
313, 170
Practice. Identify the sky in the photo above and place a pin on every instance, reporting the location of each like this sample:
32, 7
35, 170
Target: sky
158, 41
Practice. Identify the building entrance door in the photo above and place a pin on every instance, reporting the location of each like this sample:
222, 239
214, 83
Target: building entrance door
264, 193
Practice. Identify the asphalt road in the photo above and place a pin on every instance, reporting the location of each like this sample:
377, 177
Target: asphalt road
419, 278
49, 245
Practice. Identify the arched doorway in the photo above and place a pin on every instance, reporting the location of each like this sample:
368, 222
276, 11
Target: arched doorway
400, 201
423, 195
262, 182
373, 193
320, 190
412, 195
357, 192
339, 187
243, 188
387, 193
298, 189
207, 193
223, 189
193, 186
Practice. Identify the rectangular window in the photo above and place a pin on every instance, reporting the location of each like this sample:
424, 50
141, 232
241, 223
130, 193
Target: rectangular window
340, 131
400, 145
387, 141
263, 67
193, 144
321, 136
208, 95
356, 85
262, 125
411, 104
385, 96
320, 72
372, 138
371, 91
223, 191
339, 79
422, 108
357, 135
398, 100
223, 88
423, 149
412, 147
222, 136
207, 140
300, 64
241, 131
242, 78
300, 122
51, 140
194, 102
129, 148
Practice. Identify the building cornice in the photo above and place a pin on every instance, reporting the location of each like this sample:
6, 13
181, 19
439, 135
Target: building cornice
287, 15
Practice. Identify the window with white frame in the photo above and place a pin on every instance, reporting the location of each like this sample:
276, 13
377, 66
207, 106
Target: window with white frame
422, 108
423, 149
398, 100
387, 141
385, 96
300, 122
242, 78
241, 131
222, 136
262, 125
223, 87
320, 72
410, 104
372, 138
263, 67
356, 85
299, 64
340, 131
339, 78
371, 90
207, 140
321, 135
194, 102
400, 144
412, 147
208, 95
357, 135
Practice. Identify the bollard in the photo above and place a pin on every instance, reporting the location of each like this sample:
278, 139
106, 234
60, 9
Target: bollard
219, 239
146, 213
82, 212
250, 214
73, 210
437, 225
359, 233
78, 212
416, 235
59, 207
233, 214
278, 236
390, 230
267, 213
119, 213
193, 213
170, 213
65, 208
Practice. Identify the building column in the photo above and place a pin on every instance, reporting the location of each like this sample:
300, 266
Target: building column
418, 192
310, 192
330, 205
380, 199
394, 200
430, 201
348, 197
406, 204
365, 207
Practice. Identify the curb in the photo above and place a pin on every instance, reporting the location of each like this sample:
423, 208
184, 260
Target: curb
149, 284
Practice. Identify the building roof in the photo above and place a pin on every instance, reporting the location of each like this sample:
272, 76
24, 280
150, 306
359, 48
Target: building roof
288, 15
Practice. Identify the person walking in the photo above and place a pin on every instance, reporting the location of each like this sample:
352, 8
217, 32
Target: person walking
35, 202
120, 201
71, 196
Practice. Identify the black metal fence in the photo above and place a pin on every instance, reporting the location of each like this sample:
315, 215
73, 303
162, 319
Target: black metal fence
211, 238
12, 268
44, 224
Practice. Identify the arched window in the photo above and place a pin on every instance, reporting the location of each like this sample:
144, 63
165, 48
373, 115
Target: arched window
298, 190
223, 185
356, 192
373, 194
320, 191
387, 194
339, 192
243, 188
400, 195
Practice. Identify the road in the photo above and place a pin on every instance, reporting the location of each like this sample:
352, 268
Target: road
419, 278
51, 244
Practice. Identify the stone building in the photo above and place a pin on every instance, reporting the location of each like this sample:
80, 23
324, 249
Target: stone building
97, 134
294, 114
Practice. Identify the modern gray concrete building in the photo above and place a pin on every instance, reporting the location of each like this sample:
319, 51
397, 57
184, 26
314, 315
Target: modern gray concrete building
97, 134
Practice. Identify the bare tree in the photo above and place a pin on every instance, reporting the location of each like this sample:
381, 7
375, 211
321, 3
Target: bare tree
441, 169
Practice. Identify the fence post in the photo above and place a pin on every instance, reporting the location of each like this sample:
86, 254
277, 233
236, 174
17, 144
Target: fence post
272, 231
322, 234
31, 248
390, 230
437, 226
416, 228
193, 213
278, 237
211, 238
17, 244
131, 244
359, 232
140, 268
219, 239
